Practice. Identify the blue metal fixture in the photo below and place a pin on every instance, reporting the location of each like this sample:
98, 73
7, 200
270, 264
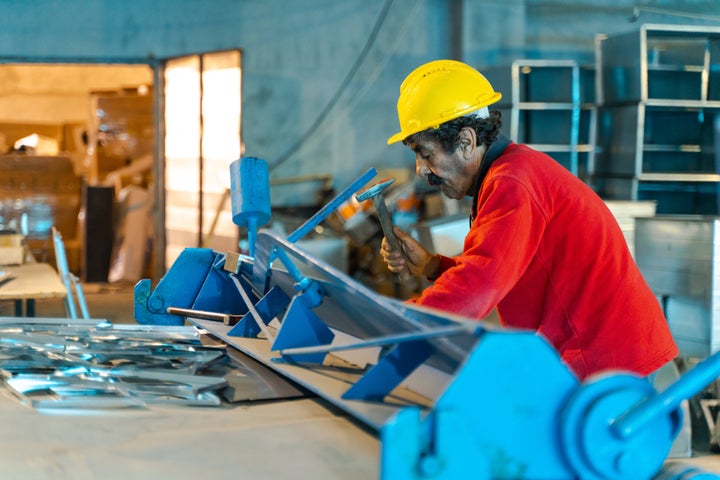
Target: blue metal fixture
501, 403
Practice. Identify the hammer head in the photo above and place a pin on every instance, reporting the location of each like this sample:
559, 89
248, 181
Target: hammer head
373, 191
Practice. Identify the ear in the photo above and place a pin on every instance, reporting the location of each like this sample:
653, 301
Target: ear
467, 141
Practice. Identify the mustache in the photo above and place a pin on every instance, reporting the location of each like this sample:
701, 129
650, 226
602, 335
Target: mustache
434, 180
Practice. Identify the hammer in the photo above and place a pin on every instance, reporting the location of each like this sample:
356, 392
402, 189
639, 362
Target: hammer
375, 192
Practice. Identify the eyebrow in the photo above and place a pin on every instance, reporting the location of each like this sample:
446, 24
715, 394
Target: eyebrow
419, 149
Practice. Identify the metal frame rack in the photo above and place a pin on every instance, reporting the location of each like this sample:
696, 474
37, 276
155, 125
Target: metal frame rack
551, 108
658, 91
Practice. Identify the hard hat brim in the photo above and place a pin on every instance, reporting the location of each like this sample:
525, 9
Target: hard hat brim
397, 138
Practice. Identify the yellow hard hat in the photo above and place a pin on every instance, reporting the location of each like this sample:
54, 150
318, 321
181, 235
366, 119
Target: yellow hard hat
438, 92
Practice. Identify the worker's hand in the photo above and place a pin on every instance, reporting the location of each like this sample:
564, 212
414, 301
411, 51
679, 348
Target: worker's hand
414, 257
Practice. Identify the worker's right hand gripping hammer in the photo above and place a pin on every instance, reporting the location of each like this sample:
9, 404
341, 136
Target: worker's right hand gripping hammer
375, 193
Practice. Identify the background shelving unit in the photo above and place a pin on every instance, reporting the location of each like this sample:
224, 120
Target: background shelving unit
550, 107
659, 117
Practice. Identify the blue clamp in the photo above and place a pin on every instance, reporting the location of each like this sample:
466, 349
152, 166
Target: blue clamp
195, 281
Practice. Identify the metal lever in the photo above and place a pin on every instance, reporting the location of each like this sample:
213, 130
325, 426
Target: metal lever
323, 213
225, 318
662, 404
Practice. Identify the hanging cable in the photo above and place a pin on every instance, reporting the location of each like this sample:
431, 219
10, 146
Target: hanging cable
370, 76
356, 66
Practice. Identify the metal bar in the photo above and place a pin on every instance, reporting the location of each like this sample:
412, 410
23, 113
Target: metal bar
269, 306
327, 178
158, 172
201, 153
390, 371
252, 310
81, 299
659, 405
679, 177
324, 212
380, 341
225, 318
52, 321
68, 278
291, 268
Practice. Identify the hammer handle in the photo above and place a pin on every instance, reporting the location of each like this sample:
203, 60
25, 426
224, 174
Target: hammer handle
387, 225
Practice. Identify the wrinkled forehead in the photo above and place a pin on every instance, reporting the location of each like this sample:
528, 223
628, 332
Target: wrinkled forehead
421, 148
421, 144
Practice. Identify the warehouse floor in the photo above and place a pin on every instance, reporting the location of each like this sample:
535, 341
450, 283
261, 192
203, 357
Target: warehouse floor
306, 433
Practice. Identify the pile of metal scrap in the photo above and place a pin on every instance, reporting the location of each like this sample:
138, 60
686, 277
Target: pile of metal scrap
63, 363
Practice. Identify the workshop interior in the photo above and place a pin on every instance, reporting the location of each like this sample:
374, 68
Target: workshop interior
193, 196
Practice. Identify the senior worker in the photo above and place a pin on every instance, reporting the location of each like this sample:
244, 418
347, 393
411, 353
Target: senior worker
543, 248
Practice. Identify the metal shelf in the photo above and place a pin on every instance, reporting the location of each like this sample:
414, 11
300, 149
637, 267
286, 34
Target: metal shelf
545, 147
545, 106
551, 109
679, 177
682, 103
671, 148
658, 91
659, 62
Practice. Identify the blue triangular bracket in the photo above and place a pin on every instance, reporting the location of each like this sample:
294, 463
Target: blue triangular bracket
219, 294
302, 328
390, 371
179, 287
269, 306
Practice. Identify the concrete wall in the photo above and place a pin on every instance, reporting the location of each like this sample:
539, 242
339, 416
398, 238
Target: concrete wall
321, 76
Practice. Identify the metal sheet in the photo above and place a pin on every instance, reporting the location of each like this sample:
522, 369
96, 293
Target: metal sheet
679, 257
354, 313
356, 310
58, 363
330, 381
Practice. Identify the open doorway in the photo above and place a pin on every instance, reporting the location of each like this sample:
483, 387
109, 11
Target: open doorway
202, 130
64, 127
192, 107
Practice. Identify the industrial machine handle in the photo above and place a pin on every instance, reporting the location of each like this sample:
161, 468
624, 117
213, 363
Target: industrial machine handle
688, 385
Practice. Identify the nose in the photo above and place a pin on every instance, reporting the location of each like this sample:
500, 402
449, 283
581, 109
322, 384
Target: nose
421, 169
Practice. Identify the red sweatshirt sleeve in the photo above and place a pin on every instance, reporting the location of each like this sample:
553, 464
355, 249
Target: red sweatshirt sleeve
501, 244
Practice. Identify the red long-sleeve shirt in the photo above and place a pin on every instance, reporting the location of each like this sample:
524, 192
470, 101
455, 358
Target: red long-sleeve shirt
547, 252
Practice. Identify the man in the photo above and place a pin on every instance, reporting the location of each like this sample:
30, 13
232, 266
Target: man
542, 248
